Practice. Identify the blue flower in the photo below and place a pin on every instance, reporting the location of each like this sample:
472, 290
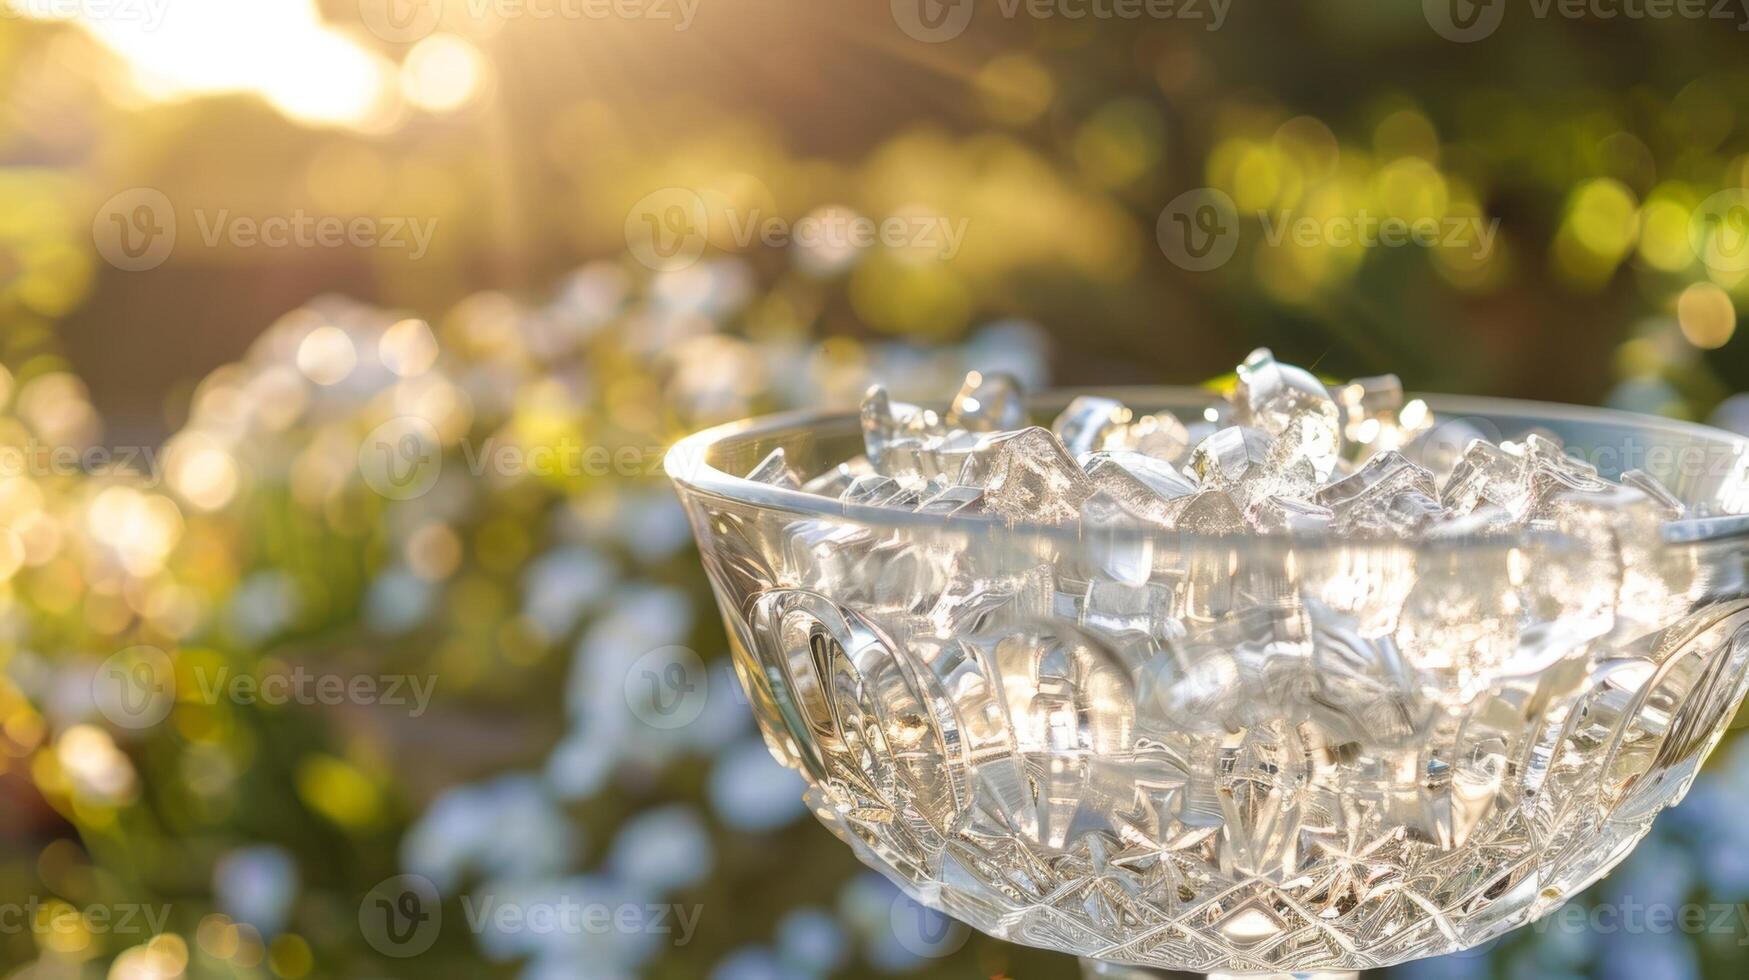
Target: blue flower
257, 885
510, 827
811, 941
751, 791
663, 849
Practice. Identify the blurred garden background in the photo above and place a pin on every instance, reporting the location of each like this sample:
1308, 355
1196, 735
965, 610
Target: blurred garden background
252, 675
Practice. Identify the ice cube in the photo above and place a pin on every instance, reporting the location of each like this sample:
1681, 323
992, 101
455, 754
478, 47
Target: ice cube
1285, 514
1135, 617
948, 501
1143, 484
1291, 405
1113, 535
1375, 416
1384, 475
913, 495
1087, 421
1231, 455
1210, 512
872, 489
838, 479
1486, 474
893, 432
1027, 476
1248, 465
991, 402
945, 456
1545, 456
1654, 488
823, 554
775, 470
1388, 493
1160, 435
1442, 446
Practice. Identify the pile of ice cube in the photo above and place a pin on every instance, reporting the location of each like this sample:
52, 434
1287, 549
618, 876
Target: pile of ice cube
1282, 454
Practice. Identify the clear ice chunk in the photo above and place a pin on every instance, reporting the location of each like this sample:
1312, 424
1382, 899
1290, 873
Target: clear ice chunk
1137, 616
1486, 474
1210, 512
1027, 476
1087, 421
948, 501
1247, 464
1654, 488
1440, 447
1160, 435
1375, 416
1387, 493
775, 470
1111, 533
1384, 475
1293, 406
1288, 515
873, 489
893, 432
838, 479
1152, 488
991, 402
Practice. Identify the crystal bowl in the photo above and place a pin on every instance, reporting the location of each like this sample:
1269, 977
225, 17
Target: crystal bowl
1242, 753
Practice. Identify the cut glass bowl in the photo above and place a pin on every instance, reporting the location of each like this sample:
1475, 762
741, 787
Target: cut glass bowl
1247, 754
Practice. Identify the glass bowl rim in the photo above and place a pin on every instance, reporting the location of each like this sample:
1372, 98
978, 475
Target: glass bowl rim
687, 465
